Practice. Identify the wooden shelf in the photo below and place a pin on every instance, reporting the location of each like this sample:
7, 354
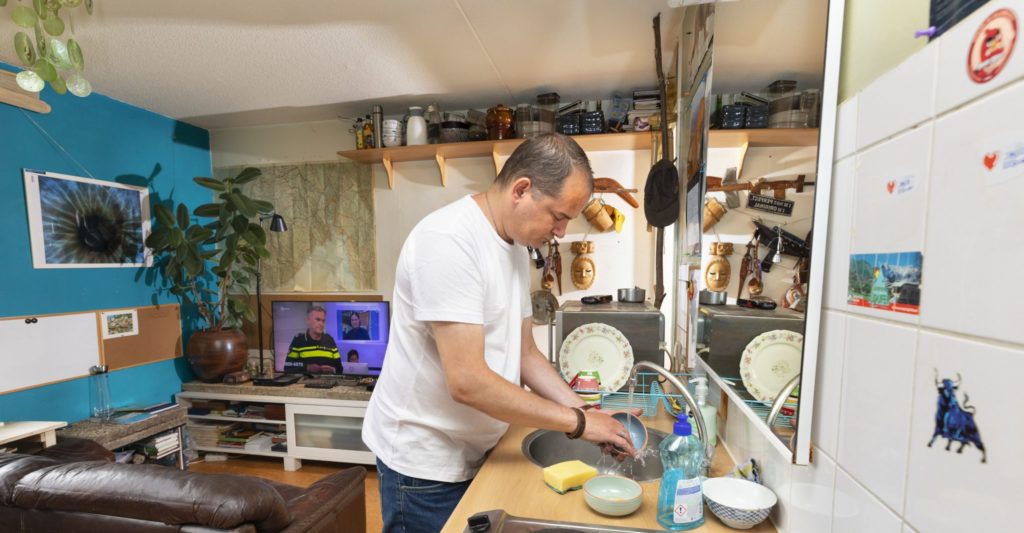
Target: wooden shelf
240, 451
238, 419
11, 94
496, 149
763, 137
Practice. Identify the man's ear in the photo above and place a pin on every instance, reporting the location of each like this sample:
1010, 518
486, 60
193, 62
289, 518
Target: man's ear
520, 187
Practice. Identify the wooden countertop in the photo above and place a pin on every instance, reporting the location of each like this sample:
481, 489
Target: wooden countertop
344, 391
509, 481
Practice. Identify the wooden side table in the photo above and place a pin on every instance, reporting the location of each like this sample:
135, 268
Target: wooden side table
112, 435
45, 432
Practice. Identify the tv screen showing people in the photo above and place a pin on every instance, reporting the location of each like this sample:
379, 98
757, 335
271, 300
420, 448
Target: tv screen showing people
325, 338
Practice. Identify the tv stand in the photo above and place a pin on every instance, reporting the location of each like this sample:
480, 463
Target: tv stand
321, 424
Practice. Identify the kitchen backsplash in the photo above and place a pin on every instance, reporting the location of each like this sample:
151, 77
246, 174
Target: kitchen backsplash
929, 175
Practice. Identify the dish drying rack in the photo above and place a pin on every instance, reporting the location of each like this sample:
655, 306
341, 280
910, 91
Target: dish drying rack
649, 393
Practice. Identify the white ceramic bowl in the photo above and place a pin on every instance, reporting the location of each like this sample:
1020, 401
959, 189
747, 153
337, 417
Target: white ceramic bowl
613, 495
739, 503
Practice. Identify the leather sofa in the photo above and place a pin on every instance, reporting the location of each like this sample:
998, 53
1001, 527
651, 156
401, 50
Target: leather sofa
77, 487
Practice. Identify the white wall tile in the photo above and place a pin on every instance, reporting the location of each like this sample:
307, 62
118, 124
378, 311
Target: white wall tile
949, 491
811, 496
837, 253
955, 87
876, 399
975, 216
886, 107
890, 200
857, 511
846, 128
776, 473
828, 384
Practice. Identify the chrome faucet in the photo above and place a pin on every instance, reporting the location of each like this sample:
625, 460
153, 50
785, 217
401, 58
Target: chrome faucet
702, 432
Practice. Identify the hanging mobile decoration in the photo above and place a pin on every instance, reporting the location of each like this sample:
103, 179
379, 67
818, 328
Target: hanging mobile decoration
583, 268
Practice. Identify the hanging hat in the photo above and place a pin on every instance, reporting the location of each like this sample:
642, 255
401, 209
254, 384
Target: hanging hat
661, 194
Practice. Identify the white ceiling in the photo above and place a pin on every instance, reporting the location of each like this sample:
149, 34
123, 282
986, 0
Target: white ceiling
228, 63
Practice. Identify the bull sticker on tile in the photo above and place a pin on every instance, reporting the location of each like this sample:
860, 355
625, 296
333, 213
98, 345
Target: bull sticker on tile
992, 46
889, 282
954, 419
1001, 159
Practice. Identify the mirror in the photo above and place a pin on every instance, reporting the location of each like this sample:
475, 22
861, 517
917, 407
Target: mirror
755, 163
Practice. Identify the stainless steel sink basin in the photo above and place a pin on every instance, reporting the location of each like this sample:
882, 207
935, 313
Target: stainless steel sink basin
545, 448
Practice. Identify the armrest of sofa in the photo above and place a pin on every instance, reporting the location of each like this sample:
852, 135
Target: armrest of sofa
155, 493
336, 503
74, 449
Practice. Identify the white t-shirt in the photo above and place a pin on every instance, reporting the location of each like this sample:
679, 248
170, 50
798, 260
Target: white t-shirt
453, 268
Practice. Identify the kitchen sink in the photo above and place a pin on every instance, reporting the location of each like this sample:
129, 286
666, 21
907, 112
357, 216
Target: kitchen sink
545, 448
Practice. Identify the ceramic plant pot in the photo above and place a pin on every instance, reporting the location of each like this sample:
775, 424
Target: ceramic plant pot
212, 354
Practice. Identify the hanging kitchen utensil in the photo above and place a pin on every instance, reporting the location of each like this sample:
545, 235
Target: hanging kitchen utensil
661, 193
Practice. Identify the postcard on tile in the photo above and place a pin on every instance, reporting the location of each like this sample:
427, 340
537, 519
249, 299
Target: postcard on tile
889, 281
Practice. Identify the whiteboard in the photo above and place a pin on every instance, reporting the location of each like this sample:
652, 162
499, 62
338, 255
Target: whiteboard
50, 349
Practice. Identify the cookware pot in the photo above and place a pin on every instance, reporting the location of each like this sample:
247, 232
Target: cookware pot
634, 295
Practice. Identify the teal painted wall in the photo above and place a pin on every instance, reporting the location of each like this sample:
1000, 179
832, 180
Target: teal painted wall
112, 141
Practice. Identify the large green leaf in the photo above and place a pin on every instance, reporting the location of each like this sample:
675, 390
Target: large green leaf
242, 204
25, 49
209, 183
207, 210
182, 216
163, 215
262, 206
247, 175
158, 238
24, 17
257, 231
240, 224
53, 25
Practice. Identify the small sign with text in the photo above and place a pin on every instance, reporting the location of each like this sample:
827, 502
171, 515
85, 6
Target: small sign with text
770, 205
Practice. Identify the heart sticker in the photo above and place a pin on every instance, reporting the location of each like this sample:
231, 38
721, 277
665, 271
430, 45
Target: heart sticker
990, 160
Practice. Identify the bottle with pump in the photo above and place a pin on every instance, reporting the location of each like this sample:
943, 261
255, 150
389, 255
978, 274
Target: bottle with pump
680, 497
709, 412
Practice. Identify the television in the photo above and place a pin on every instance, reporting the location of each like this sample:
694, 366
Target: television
358, 329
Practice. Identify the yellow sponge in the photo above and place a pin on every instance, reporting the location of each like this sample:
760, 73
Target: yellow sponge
570, 475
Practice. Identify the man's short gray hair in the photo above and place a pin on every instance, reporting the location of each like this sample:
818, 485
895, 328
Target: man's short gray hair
316, 309
547, 160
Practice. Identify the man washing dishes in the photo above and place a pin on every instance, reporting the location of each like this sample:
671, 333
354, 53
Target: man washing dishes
461, 346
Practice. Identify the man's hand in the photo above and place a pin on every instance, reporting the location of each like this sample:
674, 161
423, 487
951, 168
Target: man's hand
608, 433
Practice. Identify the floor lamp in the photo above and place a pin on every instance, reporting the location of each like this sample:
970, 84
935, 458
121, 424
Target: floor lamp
277, 225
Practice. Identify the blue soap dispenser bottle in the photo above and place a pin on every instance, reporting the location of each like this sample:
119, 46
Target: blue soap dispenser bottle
680, 498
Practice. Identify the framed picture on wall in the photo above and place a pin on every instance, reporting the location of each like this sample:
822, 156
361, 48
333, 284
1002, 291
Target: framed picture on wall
86, 223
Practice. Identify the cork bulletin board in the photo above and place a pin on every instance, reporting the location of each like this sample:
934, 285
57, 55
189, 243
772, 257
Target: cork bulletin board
158, 339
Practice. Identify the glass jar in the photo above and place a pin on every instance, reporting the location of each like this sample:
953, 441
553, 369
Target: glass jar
499, 122
99, 393
433, 117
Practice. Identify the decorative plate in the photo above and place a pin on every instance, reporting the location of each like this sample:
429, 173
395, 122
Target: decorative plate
600, 347
770, 361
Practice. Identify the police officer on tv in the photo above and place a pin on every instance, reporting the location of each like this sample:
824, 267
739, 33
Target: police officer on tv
314, 350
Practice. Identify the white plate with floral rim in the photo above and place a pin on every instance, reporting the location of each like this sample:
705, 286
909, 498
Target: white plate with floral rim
770, 361
600, 347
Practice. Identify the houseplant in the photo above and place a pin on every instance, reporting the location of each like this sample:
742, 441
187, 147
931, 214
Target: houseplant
210, 266
46, 57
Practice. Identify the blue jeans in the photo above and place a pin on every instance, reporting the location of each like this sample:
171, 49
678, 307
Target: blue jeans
413, 505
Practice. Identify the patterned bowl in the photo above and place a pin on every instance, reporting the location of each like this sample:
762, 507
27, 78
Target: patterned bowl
739, 503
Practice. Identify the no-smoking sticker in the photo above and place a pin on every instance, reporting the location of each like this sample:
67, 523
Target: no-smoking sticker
992, 46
